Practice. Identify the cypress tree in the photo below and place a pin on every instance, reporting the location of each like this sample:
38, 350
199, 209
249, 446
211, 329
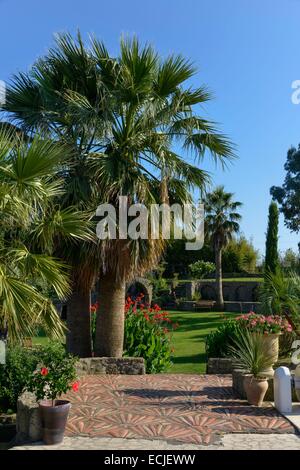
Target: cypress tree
272, 258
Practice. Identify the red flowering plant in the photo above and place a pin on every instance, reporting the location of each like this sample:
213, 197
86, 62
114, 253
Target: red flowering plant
93, 311
272, 324
55, 374
148, 332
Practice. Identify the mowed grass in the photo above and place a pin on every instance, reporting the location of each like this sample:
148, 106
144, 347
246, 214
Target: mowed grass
189, 339
42, 340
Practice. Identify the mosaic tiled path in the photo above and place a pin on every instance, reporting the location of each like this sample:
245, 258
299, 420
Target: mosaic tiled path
180, 408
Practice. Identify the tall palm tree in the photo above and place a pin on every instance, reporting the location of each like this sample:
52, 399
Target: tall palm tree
30, 221
122, 116
221, 222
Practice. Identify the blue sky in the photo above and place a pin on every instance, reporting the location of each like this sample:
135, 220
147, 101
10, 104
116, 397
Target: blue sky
247, 52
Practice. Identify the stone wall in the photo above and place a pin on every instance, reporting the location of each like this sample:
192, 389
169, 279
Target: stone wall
238, 307
242, 307
232, 291
219, 365
111, 365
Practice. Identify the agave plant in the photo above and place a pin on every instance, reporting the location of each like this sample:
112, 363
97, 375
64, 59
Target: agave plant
251, 353
30, 223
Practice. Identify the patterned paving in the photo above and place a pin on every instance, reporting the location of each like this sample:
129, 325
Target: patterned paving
194, 409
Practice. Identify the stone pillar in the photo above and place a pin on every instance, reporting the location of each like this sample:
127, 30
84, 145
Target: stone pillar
190, 290
283, 390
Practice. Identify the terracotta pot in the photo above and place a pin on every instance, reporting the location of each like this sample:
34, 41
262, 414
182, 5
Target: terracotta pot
54, 420
272, 348
255, 389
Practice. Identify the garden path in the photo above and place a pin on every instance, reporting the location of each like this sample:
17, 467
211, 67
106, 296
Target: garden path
179, 408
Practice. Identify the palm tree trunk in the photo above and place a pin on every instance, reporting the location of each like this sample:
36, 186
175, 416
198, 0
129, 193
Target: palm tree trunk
79, 324
110, 319
219, 286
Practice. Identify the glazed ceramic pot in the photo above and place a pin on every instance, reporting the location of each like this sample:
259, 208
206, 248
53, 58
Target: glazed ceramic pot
256, 389
54, 420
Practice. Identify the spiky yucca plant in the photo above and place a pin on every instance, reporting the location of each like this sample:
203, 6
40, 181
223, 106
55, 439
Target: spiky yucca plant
251, 353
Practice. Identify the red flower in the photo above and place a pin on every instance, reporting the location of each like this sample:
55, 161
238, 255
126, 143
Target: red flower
44, 371
75, 386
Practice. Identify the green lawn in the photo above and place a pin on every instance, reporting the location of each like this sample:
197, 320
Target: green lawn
189, 339
42, 340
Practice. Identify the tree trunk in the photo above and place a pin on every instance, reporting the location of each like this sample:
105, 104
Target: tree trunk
79, 324
219, 286
110, 319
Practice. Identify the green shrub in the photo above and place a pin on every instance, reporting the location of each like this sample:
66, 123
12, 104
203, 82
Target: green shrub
217, 342
55, 373
15, 375
148, 335
201, 268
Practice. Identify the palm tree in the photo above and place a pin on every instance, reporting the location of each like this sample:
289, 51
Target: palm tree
221, 222
122, 116
280, 293
30, 221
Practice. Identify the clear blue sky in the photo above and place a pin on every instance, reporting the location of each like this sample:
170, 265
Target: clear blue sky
247, 52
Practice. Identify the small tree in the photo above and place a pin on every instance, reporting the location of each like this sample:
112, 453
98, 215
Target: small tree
272, 258
201, 268
287, 195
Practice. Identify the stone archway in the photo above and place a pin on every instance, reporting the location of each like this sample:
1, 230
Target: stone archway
137, 286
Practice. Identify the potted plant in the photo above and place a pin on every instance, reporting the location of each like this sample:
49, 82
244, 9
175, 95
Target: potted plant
251, 353
269, 328
54, 376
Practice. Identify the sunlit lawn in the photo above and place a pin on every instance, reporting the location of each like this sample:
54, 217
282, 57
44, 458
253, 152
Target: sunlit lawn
42, 340
189, 339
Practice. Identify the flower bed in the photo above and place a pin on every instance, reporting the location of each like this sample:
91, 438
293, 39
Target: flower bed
148, 333
272, 324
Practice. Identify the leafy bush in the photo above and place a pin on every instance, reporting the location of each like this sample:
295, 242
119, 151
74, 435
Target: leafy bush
15, 375
147, 335
220, 342
21, 366
217, 342
201, 268
55, 373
